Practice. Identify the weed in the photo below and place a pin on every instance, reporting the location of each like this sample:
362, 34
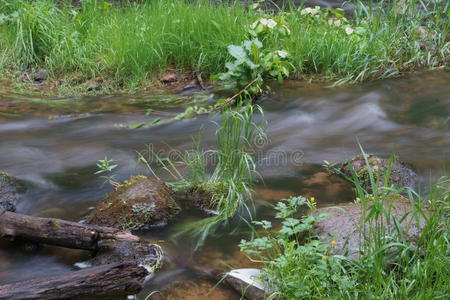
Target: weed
106, 167
390, 266
230, 183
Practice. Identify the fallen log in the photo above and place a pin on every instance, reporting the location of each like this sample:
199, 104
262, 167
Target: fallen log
58, 232
111, 280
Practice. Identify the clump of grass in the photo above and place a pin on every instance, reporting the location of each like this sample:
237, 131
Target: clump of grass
234, 172
389, 266
126, 43
130, 43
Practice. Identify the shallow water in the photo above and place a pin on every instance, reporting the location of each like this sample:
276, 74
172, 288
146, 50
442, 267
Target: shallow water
53, 145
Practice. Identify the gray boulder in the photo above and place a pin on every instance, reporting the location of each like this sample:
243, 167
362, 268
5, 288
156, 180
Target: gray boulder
344, 225
400, 174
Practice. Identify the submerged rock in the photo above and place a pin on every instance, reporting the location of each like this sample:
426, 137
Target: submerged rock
344, 225
199, 289
10, 188
400, 174
138, 203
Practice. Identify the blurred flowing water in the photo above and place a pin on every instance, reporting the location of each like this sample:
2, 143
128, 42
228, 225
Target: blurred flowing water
52, 145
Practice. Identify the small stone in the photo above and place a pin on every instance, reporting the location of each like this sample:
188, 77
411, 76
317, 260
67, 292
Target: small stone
168, 78
40, 75
92, 86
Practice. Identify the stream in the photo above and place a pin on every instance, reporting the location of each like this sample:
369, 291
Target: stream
53, 144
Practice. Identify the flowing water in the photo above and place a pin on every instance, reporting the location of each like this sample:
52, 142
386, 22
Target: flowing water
52, 145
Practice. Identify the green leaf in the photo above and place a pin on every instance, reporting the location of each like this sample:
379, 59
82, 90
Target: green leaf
237, 52
137, 125
216, 25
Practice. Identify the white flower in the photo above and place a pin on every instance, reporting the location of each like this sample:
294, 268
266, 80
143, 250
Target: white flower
337, 22
271, 23
282, 54
263, 21
310, 10
306, 11
348, 30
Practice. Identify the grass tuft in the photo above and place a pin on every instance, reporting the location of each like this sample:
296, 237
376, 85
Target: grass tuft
389, 267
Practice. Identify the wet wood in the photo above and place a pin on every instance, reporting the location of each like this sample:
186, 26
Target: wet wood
111, 280
58, 232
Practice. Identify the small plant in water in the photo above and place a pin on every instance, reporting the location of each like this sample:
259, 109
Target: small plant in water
106, 166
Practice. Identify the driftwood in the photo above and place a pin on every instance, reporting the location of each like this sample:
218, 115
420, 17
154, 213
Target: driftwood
107, 280
58, 232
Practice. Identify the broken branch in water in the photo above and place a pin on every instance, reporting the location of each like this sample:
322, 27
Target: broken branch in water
58, 232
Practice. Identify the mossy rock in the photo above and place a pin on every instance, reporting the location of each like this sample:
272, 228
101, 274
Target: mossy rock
10, 188
202, 196
401, 176
138, 203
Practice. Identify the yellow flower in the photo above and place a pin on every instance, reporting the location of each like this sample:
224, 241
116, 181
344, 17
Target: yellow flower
333, 242
312, 199
324, 257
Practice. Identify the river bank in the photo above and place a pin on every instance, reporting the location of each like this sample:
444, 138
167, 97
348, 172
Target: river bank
101, 47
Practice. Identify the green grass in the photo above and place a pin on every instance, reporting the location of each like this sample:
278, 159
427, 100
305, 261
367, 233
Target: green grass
129, 44
124, 44
227, 173
231, 182
390, 266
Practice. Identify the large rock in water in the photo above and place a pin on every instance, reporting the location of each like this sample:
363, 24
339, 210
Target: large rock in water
400, 174
344, 225
138, 203
10, 188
